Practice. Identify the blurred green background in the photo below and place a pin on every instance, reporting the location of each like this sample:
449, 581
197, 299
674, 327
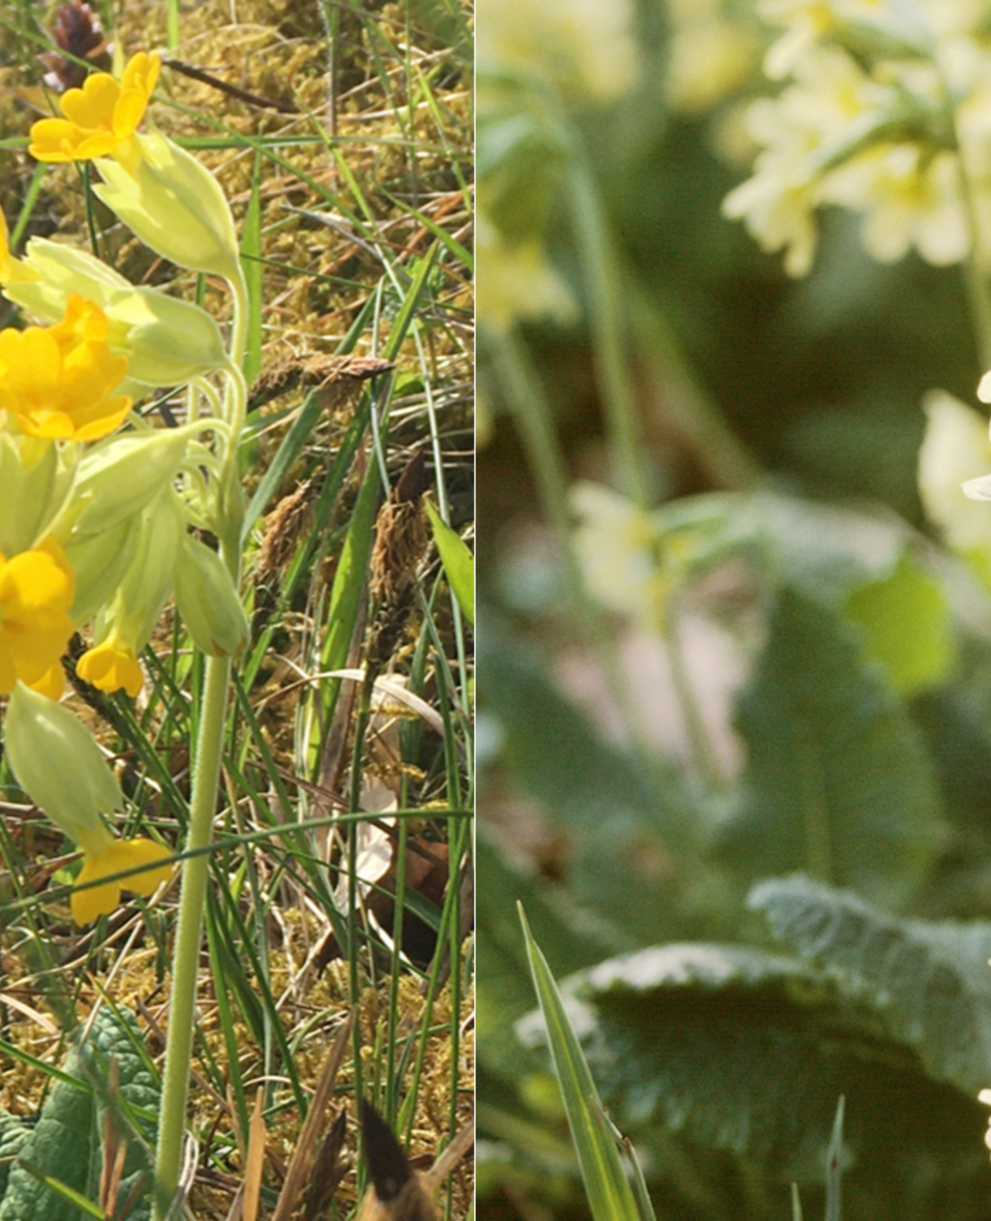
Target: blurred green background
746, 722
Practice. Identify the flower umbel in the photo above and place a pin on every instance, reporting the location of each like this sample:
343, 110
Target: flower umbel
100, 117
60, 767
58, 382
36, 591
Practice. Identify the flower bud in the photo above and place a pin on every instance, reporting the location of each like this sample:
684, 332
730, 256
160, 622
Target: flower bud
208, 601
120, 478
36, 481
124, 626
99, 562
60, 767
174, 205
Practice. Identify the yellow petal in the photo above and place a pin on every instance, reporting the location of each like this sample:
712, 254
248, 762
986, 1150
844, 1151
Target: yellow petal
118, 857
52, 682
93, 104
110, 666
87, 905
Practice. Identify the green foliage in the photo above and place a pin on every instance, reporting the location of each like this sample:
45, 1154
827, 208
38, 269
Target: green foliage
743, 1053
906, 623
837, 778
610, 1196
928, 983
67, 1141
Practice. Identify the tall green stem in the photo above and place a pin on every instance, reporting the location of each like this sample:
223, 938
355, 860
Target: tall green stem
975, 269
203, 804
185, 967
607, 322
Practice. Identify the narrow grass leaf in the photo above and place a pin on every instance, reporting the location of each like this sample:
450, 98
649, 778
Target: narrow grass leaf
459, 564
251, 262
610, 1196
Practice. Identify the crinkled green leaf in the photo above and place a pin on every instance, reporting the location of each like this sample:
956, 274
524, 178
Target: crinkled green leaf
929, 983
837, 782
65, 1144
697, 1048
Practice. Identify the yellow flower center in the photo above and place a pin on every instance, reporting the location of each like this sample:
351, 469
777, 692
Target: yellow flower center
100, 117
36, 592
57, 382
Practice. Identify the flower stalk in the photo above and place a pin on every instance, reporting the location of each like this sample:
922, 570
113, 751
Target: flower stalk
203, 804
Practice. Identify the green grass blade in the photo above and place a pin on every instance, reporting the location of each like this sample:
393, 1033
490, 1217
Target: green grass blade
459, 565
610, 1196
251, 261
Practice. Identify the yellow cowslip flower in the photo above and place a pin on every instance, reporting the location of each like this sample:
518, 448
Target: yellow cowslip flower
60, 767
109, 856
57, 382
111, 665
101, 117
36, 592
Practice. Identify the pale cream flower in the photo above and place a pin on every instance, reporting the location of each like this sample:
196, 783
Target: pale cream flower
809, 22
985, 1097
909, 198
955, 450
832, 99
620, 555
515, 281
585, 47
778, 206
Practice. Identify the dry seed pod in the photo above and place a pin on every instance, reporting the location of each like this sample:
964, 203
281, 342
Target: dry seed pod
398, 1192
78, 33
337, 377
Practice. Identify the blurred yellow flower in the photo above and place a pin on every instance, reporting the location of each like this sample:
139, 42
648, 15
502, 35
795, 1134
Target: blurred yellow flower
585, 47
100, 117
36, 592
619, 548
714, 49
516, 281
909, 197
57, 382
110, 666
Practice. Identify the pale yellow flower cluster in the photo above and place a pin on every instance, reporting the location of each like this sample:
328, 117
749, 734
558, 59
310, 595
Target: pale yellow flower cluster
583, 47
714, 48
95, 517
886, 110
515, 279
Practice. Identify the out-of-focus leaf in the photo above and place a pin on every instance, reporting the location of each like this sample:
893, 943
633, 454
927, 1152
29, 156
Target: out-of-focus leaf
905, 619
571, 938
837, 781
622, 826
